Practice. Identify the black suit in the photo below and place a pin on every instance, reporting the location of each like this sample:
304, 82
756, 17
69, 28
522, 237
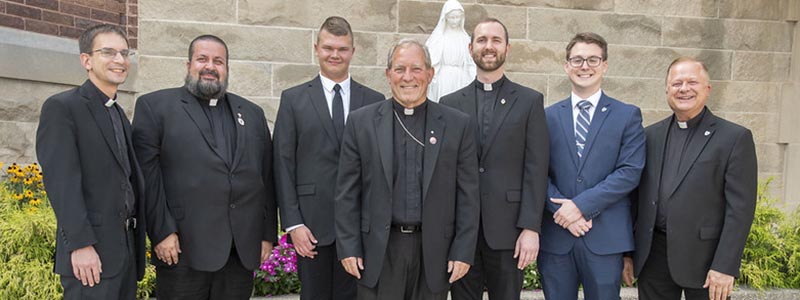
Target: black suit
306, 163
711, 207
513, 167
449, 191
211, 204
84, 177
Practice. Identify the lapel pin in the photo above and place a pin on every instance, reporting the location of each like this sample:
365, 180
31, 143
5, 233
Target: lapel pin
431, 131
604, 109
241, 121
503, 101
433, 140
707, 133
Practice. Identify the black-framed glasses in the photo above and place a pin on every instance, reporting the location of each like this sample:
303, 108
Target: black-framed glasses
592, 61
111, 52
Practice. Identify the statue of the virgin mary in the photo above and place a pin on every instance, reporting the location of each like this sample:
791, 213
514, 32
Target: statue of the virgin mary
449, 48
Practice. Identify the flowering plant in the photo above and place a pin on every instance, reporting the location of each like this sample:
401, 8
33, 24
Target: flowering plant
25, 185
278, 274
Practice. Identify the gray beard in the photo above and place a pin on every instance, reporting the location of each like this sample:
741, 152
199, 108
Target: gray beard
205, 90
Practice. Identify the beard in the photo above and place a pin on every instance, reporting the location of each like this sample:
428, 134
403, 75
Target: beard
500, 59
205, 89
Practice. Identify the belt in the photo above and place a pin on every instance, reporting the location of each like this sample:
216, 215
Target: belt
407, 228
130, 223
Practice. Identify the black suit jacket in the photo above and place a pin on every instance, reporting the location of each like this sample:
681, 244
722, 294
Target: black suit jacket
449, 191
711, 208
513, 163
83, 176
307, 155
193, 191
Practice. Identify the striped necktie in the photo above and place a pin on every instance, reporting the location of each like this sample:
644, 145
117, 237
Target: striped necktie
582, 126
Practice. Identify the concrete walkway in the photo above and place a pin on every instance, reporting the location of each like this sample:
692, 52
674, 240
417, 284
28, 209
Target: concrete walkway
630, 294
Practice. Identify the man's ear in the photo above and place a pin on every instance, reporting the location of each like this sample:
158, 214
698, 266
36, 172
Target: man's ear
86, 61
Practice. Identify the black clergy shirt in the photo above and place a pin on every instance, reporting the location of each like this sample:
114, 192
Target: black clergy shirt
407, 165
222, 127
487, 101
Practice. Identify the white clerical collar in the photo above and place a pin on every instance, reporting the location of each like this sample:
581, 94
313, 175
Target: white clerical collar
328, 84
593, 99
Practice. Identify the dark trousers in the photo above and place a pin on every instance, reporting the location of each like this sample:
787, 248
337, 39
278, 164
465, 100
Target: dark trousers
179, 282
323, 277
403, 273
122, 286
655, 281
600, 275
494, 269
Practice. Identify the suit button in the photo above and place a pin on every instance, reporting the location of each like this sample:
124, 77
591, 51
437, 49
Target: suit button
654, 203
121, 214
651, 229
580, 179
233, 205
387, 227
481, 170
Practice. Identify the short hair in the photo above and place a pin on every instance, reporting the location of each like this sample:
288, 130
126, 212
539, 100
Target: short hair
337, 26
208, 37
86, 40
406, 43
489, 20
687, 59
588, 38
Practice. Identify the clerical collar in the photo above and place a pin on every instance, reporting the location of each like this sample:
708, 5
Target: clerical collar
488, 87
403, 111
692, 122
211, 102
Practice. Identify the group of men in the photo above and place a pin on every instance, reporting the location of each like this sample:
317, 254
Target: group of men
403, 198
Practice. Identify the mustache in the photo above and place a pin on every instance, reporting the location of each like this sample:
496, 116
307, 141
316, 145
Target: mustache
209, 72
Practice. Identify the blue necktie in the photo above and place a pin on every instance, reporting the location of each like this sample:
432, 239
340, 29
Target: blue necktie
582, 126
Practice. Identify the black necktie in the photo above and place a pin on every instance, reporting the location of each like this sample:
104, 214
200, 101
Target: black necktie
122, 150
338, 112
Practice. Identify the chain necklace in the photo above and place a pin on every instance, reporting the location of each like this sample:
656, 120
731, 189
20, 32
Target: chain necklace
406, 129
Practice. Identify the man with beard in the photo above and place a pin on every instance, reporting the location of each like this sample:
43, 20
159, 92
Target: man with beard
513, 154
596, 158
207, 157
92, 178
308, 133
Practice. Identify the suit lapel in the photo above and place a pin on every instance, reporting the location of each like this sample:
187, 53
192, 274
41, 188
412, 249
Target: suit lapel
698, 141
567, 126
505, 101
195, 112
102, 119
356, 96
659, 143
602, 111
383, 130
240, 123
434, 125
317, 94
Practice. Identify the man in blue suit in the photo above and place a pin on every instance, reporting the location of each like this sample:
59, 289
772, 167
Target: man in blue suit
597, 154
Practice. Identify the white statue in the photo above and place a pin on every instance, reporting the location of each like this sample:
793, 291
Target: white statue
449, 48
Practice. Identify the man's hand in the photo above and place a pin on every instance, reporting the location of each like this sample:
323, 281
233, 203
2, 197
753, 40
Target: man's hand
457, 269
580, 227
86, 265
304, 241
627, 271
168, 249
266, 250
567, 214
719, 285
352, 265
527, 248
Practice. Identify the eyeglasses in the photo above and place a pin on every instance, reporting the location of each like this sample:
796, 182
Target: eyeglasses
111, 52
592, 61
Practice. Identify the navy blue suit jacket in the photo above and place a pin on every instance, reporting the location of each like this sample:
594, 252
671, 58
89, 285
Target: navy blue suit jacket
600, 182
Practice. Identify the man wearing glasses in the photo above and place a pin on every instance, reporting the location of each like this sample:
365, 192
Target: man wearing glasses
597, 155
92, 177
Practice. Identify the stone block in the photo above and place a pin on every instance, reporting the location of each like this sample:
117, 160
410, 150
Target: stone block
534, 81
270, 107
727, 34
536, 57
372, 77
737, 96
421, 17
370, 15
585, 4
526, 3
770, 157
250, 79
761, 66
652, 62
701, 8
753, 9
644, 93
562, 25
386, 41
222, 11
763, 125
558, 88
21, 100
244, 42
650, 116
286, 76
19, 140
156, 73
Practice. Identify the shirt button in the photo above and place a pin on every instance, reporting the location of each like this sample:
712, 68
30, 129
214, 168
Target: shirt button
580, 179
233, 205
481, 170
